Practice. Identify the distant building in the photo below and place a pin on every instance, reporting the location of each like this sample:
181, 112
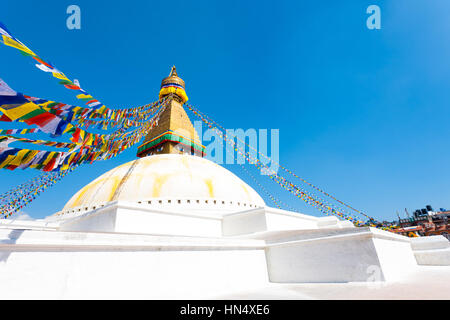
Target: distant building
426, 222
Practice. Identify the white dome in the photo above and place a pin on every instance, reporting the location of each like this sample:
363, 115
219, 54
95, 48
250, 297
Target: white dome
168, 179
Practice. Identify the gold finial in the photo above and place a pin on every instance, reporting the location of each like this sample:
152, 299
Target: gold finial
173, 72
173, 78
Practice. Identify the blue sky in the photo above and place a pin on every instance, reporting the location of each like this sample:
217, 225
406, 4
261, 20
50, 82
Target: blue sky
362, 113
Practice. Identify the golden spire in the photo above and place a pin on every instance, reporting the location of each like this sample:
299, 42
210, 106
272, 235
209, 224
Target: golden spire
174, 132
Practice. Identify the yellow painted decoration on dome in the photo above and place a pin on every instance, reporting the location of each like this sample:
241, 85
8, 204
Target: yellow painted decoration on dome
167, 176
116, 182
210, 187
159, 182
245, 189
79, 197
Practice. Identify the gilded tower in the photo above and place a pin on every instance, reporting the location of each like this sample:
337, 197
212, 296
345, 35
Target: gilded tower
174, 132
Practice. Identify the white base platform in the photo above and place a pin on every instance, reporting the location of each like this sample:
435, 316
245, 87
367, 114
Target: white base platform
126, 250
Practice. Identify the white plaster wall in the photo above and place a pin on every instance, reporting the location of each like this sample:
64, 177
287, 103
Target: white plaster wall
435, 257
56, 274
429, 243
346, 224
332, 259
132, 220
396, 258
432, 250
101, 220
265, 219
328, 222
244, 223
129, 220
140, 218
277, 222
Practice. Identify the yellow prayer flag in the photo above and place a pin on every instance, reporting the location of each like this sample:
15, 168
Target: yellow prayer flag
13, 43
30, 156
49, 157
20, 111
6, 161
69, 126
84, 96
60, 75
89, 139
19, 158
66, 165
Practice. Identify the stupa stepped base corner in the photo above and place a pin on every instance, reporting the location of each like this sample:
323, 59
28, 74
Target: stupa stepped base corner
431, 250
134, 250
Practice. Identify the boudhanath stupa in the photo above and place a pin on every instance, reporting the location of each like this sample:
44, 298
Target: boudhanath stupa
174, 225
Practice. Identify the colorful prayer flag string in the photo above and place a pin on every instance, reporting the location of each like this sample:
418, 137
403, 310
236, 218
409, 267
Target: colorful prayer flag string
322, 205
